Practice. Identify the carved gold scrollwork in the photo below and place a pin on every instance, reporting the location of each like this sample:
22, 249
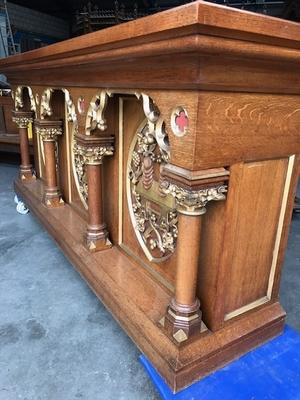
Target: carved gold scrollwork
19, 101
71, 110
95, 115
46, 110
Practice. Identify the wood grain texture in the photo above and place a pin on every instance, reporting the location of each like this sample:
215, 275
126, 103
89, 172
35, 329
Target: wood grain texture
205, 44
137, 302
234, 127
257, 198
236, 77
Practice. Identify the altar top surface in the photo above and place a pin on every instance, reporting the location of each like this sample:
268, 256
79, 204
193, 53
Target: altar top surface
179, 36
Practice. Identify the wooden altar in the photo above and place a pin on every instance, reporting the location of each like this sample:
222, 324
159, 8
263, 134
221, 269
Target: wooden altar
166, 164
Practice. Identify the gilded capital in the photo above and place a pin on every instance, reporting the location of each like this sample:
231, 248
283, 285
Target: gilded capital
193, 202
49, 134
22, 122
93, 155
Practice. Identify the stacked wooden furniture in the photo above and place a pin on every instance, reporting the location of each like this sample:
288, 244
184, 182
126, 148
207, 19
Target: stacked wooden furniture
166, 169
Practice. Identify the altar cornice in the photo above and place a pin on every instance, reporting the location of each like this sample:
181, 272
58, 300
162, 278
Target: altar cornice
186, 40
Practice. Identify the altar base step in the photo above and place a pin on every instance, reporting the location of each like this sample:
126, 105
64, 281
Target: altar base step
271, 372
138, 303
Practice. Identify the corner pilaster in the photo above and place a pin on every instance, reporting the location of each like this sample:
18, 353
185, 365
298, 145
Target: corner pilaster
192, 192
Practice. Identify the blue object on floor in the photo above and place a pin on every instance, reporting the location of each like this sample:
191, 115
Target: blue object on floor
270, 372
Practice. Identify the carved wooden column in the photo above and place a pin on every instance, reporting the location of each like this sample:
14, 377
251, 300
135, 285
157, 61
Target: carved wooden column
23, 119
93, 149
49, 131
191, 192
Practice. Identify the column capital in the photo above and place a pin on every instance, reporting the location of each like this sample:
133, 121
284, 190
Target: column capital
48, 130
22, 118
94, 148
192, 190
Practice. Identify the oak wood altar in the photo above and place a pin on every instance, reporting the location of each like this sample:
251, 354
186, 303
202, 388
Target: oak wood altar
167, 157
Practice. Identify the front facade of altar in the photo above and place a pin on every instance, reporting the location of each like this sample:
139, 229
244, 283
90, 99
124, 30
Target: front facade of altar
166, 157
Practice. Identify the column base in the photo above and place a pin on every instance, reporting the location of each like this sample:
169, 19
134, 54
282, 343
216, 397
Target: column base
52, 198
182, 322
26, 173
97, 238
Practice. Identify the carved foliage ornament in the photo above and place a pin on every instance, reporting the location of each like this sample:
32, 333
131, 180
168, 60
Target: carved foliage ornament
22, 122
193, 202
48, 134
155, 223
93, 155
79, 169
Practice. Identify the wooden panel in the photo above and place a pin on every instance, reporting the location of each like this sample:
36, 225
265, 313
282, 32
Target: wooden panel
210, 274
256, 199
245, 127
110, 173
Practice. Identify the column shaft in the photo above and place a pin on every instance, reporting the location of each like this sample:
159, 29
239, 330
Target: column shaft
94, 178
188, 248
23, 119
24, 148
97, 235
50, 165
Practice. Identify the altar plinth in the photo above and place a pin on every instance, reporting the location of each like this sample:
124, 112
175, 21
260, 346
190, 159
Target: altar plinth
175, 143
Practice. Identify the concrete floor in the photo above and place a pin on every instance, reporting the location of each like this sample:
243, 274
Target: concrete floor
57, 342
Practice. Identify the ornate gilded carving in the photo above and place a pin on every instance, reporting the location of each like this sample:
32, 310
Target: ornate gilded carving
193, 202
71, 111
155, 222
81, 105
46, 110
156, 124
18, 96
49, 134
19, 101
80, 173
22, 122
94, 155
95, 115
159, 232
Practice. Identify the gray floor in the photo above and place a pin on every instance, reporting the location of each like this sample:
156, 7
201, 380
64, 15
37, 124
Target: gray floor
57, 342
